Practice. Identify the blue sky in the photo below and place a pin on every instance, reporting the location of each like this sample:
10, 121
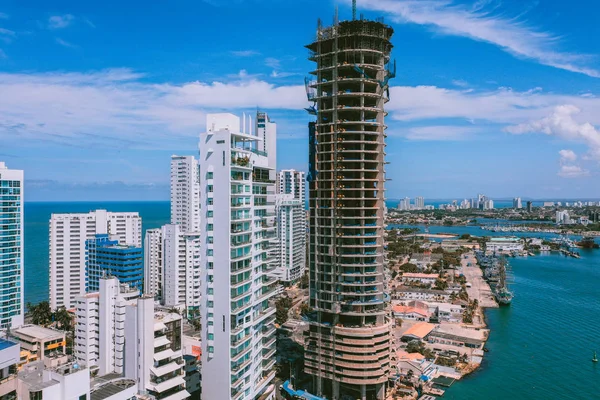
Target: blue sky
498, 97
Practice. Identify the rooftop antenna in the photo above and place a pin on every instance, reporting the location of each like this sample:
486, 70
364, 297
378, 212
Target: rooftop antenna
353, 10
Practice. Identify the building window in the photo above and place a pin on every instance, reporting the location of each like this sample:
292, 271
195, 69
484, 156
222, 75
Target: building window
209, 252
209, 227
211, 291
209, 175
209, 214
211, 336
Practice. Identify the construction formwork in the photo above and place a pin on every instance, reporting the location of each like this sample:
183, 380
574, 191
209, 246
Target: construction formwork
348, 343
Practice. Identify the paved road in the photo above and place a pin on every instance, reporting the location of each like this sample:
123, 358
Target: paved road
479, 289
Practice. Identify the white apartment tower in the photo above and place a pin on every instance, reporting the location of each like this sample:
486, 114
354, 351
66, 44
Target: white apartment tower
119, 332
517, 203
237, 222
153, 263
185, 193
291, 226
266, 130
419, 203
11, 246
68, 233
172, 268
100, 326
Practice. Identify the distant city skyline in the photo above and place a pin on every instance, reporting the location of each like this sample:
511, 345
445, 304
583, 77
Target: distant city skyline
498, 96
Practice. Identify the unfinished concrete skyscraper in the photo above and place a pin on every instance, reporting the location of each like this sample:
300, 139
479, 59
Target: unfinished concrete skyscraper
348, 344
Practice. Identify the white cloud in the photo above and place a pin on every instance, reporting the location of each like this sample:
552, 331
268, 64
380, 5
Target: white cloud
6, 35
116, 108
245, 53
439, 133
561, 123
572, 171
7, 32
60, 21
64, 43
511, 34
88, 22
567, 156
460, 83
272, 62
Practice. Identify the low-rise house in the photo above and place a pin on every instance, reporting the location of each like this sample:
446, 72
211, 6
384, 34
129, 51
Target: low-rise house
410, 313
457, 336
54, 378
417, 277
406, 293
419, 331
425, 260
38, 342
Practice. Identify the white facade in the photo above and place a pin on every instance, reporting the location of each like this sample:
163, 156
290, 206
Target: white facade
238, 342
153, 263
185, 193
68, 233
267, 134
99, 326
172, 267
517, 203
563, 218
66, 381
181, 266
11, 246
419, 203
119, 332
290, 244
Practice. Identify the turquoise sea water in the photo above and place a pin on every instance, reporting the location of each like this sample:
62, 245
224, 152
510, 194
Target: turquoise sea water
37, 215
542, 345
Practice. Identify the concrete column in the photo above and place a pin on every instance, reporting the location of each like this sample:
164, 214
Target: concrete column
335, 390
363, 392
380, 391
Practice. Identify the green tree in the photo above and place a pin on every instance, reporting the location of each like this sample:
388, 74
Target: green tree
440, 284
63, 319
303, 284
282, 307
41, 314
414, 346
304, 308
465, 236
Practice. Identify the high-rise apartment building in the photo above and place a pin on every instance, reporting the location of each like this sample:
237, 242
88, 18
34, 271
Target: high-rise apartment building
68, 236
404, 204
517, 204
348, 343
11, 246
290, 244
153, 263
107, 257
266, 130
185, 193
419, 203
529, 206
117, 332
181, 265
172, 273
237, 224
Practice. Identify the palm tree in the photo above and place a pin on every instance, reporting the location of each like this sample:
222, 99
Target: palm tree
63, 318
41, 314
